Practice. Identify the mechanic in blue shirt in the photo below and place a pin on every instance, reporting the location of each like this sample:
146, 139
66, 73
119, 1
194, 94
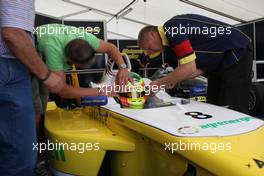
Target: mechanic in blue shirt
17, 56
205, 46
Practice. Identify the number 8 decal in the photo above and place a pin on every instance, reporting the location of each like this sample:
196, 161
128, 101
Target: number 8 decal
198, 115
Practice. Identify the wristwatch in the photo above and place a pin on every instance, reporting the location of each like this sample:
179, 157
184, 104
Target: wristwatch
122, 66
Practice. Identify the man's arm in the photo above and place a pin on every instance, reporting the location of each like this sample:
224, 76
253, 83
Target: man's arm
76, 92
113, 52
69, 91
181, 73
20, 44
198, 72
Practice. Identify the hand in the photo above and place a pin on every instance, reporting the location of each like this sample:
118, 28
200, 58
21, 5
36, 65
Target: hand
123, 77
154, 87
171, 86
54, 83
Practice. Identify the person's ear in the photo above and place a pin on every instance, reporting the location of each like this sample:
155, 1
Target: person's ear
151, 35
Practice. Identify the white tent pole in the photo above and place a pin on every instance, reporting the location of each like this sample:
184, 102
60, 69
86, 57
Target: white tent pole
107, 13
122, 35
59, 18
212, 10
75, 13
122, 10
251, 21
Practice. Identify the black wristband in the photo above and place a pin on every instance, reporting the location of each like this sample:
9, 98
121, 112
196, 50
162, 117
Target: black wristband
46, 77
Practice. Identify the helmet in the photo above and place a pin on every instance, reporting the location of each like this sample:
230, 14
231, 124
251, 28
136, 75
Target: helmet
133, 95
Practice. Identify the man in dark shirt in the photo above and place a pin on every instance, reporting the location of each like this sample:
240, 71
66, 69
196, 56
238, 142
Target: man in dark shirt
205, 46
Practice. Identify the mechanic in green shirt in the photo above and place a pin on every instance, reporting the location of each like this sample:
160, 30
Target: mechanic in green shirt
63, 44
61, 47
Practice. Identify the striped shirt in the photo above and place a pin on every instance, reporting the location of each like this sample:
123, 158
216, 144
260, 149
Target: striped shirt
16, 13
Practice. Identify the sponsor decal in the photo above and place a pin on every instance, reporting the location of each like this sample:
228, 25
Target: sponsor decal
198, 115
198, 90
58, 154
259, 163
193, 129
199, 98
133, 52
188, 130
226, 122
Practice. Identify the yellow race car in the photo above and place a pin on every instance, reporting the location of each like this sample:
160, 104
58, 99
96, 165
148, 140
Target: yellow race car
183, 139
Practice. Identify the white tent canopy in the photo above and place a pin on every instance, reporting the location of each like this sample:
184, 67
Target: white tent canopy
128, 22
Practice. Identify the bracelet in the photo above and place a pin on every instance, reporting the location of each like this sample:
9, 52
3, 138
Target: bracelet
122, 66
46, 77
